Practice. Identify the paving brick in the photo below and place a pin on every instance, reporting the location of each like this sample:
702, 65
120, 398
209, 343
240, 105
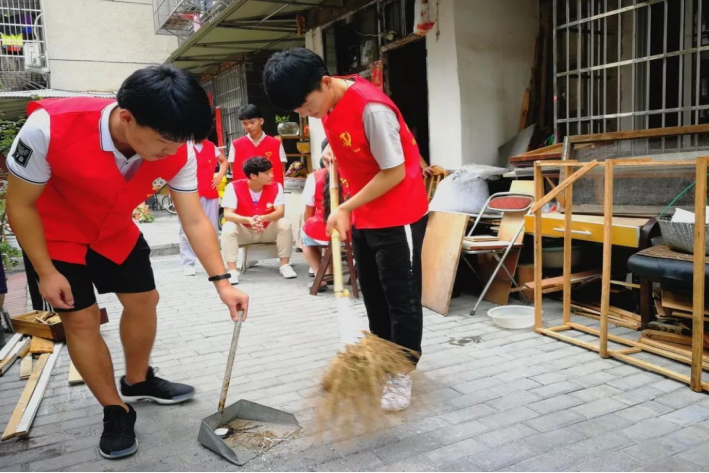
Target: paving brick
82, 456
454, 452
599, 408
594, 379
688, 415
615, 461
460, 465
477, 397
503, 456
516, 399
358, 462
595, 393
669, 464
649, 428
509, 417
698, 455
554, 404
692, 435
639, 395
681, 398
553, 440
455, 433
410, 464
644, 411
555, 420
499, 437
601, 425
602, 444
468, 413
556, 460
408, 447
655, 449
550, 390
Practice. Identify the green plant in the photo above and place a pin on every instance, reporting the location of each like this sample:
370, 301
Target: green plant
144, 215
282, 119
8, 131
10, 254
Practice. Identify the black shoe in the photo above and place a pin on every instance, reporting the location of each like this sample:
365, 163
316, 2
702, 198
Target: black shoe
118, 438
156, 389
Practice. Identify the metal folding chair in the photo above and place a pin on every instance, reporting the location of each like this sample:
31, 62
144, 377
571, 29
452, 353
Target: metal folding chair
503, 203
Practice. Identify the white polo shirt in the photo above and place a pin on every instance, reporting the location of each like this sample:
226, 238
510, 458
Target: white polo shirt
29, 153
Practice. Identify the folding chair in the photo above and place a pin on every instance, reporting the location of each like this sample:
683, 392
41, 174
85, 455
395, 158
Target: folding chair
507, 204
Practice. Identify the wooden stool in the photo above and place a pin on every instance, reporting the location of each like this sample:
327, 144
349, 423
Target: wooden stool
327, 259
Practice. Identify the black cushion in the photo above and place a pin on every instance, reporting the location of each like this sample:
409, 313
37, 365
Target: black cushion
672, 274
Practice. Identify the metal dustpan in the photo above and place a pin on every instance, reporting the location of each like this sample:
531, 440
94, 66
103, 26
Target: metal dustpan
252, 428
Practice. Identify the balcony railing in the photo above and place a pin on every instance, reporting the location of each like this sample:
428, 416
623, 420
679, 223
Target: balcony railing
183, 17
23, 54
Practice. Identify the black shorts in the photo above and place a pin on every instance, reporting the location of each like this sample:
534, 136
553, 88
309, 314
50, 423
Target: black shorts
134, 275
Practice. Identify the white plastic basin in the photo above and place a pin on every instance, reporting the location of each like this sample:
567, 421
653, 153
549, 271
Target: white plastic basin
513, 316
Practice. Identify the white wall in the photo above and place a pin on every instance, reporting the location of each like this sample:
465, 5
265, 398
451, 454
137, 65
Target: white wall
96, 44
444, 105
313, 41
495, 42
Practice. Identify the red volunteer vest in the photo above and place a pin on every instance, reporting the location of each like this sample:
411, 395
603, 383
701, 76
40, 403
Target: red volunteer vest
269, 148
206, 162
245, 205
404, 204
315, 226
87, 202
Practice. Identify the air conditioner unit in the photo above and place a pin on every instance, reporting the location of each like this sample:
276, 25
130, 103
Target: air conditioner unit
34, 59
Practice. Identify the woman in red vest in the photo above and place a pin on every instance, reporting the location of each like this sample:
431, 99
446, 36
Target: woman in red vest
256, 143
79, 166
208, 156
388, 206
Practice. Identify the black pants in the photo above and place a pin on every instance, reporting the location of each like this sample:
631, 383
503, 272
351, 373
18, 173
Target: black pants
389, 273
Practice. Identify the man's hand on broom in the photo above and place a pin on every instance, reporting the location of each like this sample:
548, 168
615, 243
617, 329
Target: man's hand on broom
236, 300
339, 220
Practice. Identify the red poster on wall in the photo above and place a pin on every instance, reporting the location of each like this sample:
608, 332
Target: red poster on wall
377, 69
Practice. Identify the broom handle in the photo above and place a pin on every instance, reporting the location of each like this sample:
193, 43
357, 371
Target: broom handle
230, 361
335, 236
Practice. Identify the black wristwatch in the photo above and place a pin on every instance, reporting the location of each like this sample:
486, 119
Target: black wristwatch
220, 277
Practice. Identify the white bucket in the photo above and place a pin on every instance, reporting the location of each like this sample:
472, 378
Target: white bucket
513, 316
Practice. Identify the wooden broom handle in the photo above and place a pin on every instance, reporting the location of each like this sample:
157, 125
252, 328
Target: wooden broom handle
335, 236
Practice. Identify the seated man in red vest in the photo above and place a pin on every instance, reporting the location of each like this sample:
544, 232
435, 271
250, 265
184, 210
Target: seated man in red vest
388, 206
208, 156
79, 167
256, 143
254, 210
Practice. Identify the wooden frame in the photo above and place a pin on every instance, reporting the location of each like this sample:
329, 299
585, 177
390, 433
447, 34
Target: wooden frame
696, 361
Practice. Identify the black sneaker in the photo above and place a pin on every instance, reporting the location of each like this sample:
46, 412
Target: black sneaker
118, 438
156, 389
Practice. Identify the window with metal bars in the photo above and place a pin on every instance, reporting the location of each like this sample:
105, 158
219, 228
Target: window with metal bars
630, 64
23, 62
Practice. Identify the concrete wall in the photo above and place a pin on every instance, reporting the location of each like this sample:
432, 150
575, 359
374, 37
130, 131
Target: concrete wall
96, 44
495, 50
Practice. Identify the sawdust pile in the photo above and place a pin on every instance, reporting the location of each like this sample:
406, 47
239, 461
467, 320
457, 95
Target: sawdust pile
355, 380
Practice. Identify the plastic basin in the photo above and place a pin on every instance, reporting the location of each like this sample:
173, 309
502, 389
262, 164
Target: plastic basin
512, 316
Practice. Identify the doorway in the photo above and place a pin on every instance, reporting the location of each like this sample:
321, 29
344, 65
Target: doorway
407, 85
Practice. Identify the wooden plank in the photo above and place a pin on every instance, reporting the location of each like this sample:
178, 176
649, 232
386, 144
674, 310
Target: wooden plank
563, 185
41, 345
525, 110
574, 279
14, 340
568, 214
11, 357
440, 256
21, 407
629, 285
538, 194
547, 152
681, 302
607, 254
26, 367
700, 229
74, 375
640, 134
651, 367
677, 348
23, 427
668, 337
612, 320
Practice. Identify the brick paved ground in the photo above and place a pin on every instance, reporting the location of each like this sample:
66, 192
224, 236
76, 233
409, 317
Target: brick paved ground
485, 398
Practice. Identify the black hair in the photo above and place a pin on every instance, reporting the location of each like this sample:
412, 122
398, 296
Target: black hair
256, 165
323, 146
249, 112
168, 100
291, 75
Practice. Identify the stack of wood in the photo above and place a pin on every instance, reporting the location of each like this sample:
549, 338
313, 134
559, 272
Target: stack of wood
616, 315
37, 372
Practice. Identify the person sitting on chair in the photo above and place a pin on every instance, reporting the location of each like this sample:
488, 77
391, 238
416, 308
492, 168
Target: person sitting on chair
254, 210
316, 198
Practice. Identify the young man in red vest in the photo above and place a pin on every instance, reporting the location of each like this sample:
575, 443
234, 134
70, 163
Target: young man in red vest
254, 209
79, 167
208, 156
378, 156
256, 143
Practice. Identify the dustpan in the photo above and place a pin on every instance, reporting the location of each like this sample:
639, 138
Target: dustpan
252, 428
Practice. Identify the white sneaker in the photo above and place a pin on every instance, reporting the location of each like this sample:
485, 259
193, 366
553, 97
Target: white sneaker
188, 271
287, 272
234, 277
397, 392
311, 273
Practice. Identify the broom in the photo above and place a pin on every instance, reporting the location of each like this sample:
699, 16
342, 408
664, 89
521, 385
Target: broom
355, 380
